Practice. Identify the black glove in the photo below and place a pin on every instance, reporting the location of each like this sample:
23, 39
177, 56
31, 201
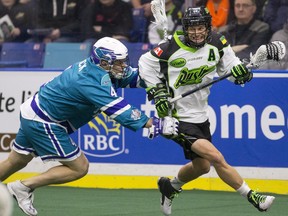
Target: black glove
241, 74
160, 96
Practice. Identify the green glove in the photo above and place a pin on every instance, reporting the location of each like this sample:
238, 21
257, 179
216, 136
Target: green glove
160, 96
241, 74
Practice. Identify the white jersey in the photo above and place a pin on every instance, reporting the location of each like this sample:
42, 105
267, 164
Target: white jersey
186, 68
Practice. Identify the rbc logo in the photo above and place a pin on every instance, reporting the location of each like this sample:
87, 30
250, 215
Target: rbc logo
102, 137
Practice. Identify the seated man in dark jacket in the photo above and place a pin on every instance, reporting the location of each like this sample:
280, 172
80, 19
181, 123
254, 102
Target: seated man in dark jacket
245, 33
112, 18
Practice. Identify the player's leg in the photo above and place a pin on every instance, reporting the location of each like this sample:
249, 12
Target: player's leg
13, 163
229, 175
49, 141
192, 170
170, 188
67, 172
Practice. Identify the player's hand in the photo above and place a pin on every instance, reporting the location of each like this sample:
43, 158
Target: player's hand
162, 106
160, 96
241, 74
166, 126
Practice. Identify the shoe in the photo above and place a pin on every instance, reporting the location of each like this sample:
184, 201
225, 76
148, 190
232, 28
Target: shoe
168, 194
24, 197
261, 202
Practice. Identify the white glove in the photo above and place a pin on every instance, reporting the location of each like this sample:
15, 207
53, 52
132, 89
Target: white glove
166, 126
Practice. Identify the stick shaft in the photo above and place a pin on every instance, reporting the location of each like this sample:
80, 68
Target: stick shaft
200, 87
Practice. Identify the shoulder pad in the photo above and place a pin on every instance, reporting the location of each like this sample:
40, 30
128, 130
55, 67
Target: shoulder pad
165, 49
219, 40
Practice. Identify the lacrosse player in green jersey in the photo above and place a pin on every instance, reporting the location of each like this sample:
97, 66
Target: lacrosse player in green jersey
177, 65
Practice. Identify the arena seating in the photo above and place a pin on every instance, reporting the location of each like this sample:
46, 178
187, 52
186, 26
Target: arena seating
62, 55
27, 55
139, 31
57, 55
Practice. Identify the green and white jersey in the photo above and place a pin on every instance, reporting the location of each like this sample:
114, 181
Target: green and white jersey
185, 68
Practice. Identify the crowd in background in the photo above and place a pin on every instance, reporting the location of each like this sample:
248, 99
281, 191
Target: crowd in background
246, 24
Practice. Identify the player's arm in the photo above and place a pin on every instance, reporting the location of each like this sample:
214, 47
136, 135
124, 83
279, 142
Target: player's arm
105, 98
132, 79
229, 62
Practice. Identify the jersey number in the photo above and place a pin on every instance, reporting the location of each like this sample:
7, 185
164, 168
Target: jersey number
113, 92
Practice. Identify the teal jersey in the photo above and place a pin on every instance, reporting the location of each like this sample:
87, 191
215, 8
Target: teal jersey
83, 90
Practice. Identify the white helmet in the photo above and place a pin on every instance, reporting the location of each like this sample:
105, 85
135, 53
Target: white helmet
109, 50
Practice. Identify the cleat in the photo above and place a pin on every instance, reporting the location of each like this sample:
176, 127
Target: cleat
261, 202
168, 194
24, 197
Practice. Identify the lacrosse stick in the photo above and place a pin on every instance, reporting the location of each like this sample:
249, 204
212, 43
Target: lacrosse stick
274, 51
159, 13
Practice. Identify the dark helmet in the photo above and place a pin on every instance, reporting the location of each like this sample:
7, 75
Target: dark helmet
193, 17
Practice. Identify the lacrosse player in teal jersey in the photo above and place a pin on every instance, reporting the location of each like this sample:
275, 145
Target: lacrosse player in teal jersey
177, 65
66, 103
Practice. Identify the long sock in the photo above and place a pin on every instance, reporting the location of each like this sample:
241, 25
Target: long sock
244, 189
176, 183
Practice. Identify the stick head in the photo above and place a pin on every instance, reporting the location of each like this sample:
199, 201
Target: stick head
274, 51
159, 13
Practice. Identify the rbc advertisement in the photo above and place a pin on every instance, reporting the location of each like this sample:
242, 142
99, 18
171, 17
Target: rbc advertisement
248, 124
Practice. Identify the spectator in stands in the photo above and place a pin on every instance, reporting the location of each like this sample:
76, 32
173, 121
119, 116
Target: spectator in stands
231, 16
112, 18
24, 1
276, 13
260, 5
174, 15
145, 4
280, 35
180, 4
219, 10
61, 19
246, 33
21, 18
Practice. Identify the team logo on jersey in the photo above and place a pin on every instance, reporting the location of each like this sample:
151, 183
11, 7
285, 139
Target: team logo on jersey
158, 51
102, 137
178, 63
194, 76
136, 114
106, 81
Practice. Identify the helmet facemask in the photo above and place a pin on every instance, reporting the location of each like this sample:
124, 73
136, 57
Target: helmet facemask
116, 69
196, 24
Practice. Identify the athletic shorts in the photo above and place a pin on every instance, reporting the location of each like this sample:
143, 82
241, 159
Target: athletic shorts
189, 133
49, 141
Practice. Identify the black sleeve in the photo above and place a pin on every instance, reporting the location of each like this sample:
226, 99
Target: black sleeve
219, 41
